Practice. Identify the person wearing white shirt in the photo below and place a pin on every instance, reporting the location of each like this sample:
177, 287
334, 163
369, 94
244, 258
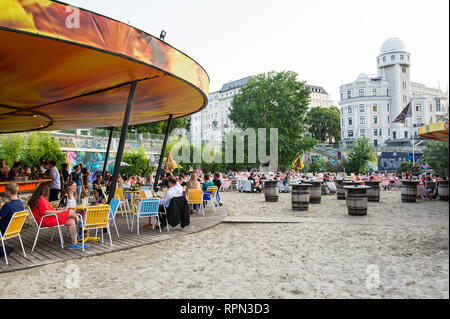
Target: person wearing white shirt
175, 190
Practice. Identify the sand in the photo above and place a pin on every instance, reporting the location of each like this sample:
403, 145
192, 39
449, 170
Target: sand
333, 258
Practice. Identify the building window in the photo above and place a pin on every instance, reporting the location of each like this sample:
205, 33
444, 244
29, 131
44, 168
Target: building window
404, 84
406, 134
374, 108
389, 132
418, 107
375, 143
387, 92
419, 120
375, 120
388, 108
361, 108
349, 94
438, 104
394, 135
403, 70
350, 133
405, 98
350, 121
362, 132
401, 56
342, 96
384, 59
388, 120
431, 107
342, 122
378, 61
375, 132
349, 109
392, 57
407, 57
361, 92
380, 132
374, 92
362, 120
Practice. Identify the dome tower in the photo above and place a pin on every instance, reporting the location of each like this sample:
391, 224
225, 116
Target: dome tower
393, 65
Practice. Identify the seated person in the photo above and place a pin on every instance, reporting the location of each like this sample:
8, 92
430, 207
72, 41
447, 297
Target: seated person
173, 191
13, 206
40, 206
207, 183
97, 187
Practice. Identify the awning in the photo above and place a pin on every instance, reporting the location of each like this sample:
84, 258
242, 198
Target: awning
64, 69
435, 131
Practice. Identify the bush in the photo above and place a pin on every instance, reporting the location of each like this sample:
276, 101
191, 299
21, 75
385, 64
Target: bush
405, 167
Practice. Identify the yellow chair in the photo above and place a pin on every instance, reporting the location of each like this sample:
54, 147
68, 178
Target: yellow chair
195, 196
14, 227
96, 218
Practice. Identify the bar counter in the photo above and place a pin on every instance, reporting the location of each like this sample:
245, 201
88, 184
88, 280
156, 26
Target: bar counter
24, 186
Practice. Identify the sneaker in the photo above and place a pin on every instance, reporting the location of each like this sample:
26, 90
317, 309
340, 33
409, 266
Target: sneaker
77, 246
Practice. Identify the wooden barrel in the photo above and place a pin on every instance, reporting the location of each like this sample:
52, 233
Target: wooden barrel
348, 182
340, 191
315, 192
300, 196
409, 191
443, 190
357, 200
373, 193
271, 191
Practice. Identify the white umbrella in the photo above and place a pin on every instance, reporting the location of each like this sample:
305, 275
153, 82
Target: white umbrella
121, 163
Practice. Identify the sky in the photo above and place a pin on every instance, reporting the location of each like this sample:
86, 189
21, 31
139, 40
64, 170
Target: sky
327, 42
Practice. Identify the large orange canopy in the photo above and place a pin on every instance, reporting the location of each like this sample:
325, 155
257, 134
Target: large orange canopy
63, 68
435, 131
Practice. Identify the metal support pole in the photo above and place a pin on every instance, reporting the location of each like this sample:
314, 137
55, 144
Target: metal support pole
123, 135
105, 165
158, 174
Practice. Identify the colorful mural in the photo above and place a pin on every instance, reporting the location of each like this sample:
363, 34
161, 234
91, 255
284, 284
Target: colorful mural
93, 161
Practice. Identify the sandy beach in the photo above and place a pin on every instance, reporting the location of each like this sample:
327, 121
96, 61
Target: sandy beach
398, 250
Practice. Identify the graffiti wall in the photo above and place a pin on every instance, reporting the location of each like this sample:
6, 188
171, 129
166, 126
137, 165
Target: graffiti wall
93, 161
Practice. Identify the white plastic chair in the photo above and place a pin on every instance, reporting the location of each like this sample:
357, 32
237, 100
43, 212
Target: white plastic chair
39, 227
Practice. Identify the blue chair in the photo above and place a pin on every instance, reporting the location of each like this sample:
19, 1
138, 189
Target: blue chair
146, 188
148, 207
114, 205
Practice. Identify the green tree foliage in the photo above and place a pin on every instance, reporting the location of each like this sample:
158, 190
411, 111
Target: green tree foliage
140, 165
275, 100
325, 123
360, 155
11, 147
404, 167
159, 127
436, 155
29, 148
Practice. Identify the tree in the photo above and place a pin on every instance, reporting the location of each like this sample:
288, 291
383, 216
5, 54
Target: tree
325, 123
405, 167
436, 155
44, 145
140, 165
360, 155
11, 147
275, 100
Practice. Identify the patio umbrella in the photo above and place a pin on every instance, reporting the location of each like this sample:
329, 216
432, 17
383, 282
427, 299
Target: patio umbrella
121, 163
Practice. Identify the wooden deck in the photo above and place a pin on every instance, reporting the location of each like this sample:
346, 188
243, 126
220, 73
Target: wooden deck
47, 252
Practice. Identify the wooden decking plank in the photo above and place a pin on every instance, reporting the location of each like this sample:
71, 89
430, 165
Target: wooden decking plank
47, 252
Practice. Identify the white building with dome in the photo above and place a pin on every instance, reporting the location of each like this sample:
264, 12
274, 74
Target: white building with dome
370, 104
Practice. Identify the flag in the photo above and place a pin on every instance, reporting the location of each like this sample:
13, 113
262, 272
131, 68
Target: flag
297, 165
407, 112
